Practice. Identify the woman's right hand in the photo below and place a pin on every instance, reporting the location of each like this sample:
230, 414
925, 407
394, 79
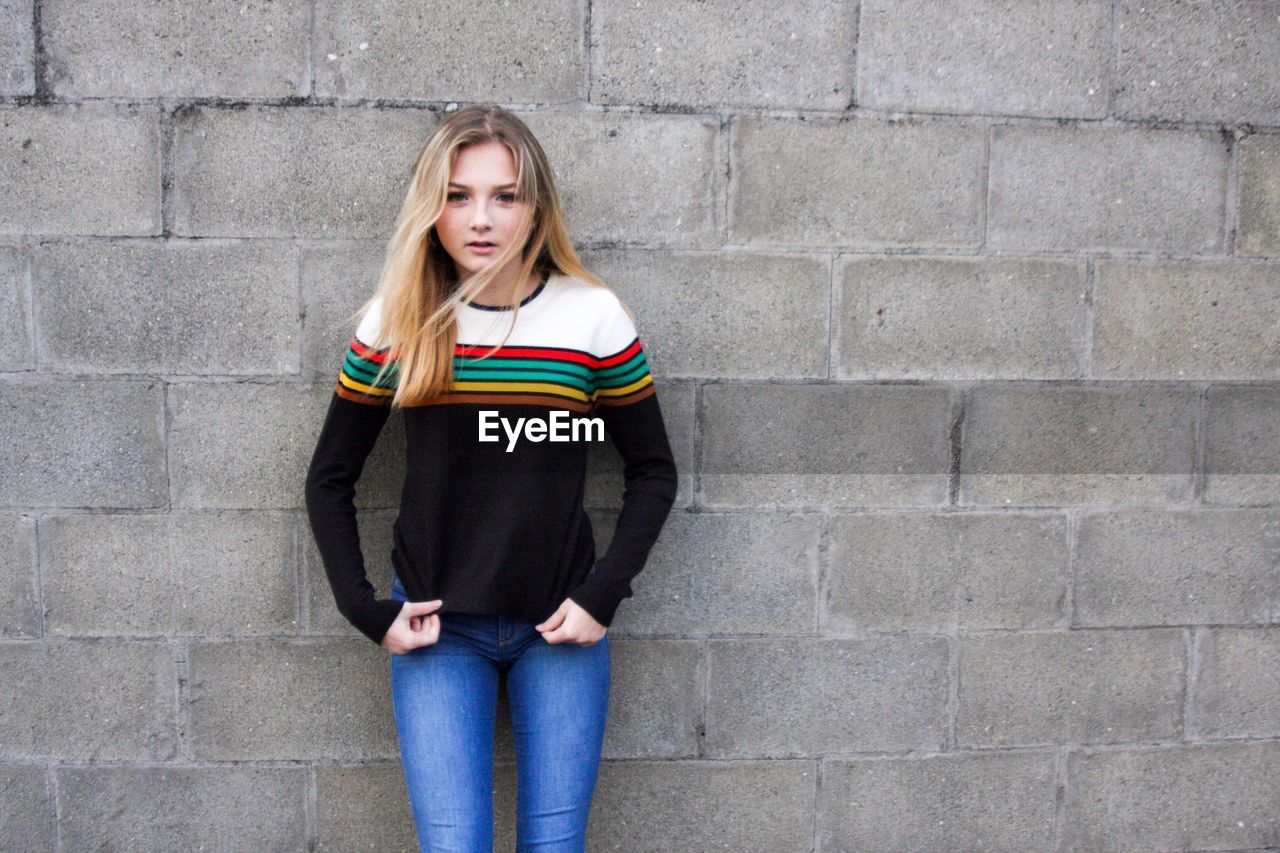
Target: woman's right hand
416, 626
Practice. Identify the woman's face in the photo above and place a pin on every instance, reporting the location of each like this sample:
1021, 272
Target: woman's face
481, 206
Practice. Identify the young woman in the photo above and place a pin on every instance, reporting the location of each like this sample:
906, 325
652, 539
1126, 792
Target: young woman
500, 347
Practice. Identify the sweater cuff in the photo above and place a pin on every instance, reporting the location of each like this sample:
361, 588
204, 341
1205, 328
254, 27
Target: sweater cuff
375, 617
599, 598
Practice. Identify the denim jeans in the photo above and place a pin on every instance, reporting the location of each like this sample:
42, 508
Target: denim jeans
445, 701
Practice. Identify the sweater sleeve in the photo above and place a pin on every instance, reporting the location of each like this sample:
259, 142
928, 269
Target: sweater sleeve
627, 402
358, 408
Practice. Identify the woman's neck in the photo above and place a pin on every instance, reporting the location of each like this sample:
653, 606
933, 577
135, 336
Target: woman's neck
497, 290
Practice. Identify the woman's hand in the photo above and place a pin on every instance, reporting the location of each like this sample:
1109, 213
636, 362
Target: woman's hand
416, 626
571, 624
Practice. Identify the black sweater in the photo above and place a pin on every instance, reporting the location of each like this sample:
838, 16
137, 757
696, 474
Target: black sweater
498, 526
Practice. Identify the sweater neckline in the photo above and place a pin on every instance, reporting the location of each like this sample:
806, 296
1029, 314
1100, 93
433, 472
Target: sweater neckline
542, 284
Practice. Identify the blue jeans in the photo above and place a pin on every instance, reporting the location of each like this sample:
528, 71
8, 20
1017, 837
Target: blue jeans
445, 700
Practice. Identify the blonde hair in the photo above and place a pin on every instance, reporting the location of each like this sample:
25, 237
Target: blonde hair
417, 288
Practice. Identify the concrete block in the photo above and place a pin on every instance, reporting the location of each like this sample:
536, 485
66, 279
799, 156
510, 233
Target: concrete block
1177, 567
1176, 797
80, 169
824, 445
316, 172
804, 697
202, 308
721, 315
694, 55
1176, 320
1065, 445
655, 702
703, 805
635, 179
289, 701
1242, 445
105, 49
88, 700
217, 462
84, 443
943, 572
985, 56
1070, 687
712, 573
1209, 62
857, 183
975, 800
185, 574
1236, 689
181, 808
1258, 228
1095, 189
399, 49
958, 318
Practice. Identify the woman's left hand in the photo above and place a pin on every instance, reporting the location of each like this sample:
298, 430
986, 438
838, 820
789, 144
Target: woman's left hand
571, 624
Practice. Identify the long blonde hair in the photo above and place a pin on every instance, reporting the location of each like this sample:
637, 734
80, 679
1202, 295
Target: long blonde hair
417, 284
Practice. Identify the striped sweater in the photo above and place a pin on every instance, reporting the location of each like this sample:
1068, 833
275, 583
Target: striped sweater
491, 517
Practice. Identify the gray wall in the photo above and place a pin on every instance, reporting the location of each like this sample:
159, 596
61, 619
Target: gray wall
966, 318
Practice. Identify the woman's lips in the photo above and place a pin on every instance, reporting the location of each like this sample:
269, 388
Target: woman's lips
482, 248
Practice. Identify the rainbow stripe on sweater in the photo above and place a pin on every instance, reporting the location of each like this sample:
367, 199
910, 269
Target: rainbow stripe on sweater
511, 375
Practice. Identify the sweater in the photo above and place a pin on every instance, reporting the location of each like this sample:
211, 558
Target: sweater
491, 515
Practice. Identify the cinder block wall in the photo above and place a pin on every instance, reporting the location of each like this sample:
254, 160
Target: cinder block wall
966, 318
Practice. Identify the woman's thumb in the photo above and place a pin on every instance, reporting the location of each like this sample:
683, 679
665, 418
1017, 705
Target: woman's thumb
422, 608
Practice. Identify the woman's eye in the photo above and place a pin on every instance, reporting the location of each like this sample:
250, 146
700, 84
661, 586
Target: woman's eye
458, 195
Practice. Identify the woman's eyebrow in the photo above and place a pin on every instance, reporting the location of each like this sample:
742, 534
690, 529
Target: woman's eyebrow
465, 187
